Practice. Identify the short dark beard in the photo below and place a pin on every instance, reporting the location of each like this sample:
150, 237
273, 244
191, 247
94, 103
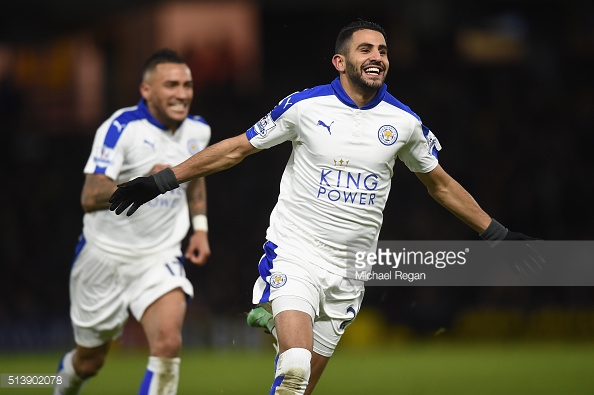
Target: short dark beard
356, 78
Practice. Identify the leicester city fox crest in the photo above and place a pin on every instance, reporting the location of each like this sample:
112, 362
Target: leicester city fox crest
193, 146
277, 280
387, 134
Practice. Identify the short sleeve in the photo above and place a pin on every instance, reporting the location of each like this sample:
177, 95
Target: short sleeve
108, 151
419, 154
276, 127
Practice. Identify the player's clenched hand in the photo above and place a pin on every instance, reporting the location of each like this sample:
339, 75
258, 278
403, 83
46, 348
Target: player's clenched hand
140, 190
517, 249
519, 252
198, 250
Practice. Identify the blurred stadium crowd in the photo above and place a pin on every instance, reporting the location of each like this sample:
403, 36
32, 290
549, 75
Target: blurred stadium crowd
507, 87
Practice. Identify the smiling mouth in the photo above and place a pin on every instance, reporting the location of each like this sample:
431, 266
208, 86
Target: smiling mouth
372, 70
178, 107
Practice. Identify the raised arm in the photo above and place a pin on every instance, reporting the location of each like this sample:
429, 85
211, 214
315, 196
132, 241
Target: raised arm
215, 158
451, 195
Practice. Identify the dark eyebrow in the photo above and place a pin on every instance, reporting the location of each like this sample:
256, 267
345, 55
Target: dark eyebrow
380, 47
177, 82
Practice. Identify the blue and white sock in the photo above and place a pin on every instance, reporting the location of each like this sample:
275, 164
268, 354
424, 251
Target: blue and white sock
161, 377
68, 377
293, 369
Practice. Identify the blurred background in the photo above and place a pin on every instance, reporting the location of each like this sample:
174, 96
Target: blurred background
507, 87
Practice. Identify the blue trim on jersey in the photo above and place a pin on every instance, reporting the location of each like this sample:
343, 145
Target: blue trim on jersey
287, 102
146, 383
264, 267
346, 100
138, 113
250, 133
144, 113
397, 103
276, 383
382, 95
198, 118
119, 123
117, 126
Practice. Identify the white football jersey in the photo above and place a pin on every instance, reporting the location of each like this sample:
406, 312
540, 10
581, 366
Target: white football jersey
128, 145
337, 180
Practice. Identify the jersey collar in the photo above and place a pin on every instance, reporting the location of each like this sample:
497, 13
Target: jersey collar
142, 107
343, 97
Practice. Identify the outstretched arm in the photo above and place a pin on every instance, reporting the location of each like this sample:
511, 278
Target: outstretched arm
98, 188
215, 158
451, 195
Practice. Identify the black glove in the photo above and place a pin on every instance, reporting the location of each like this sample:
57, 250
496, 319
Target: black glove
516, 248
140, 190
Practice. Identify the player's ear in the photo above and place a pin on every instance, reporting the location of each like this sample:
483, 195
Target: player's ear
339, 62
145, 90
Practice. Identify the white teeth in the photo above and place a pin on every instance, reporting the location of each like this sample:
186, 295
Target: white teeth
178, 106
373, 70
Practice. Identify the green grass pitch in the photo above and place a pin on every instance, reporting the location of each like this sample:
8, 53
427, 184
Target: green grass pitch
414, 369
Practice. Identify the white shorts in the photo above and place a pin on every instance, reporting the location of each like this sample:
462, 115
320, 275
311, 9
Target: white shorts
291, 283
103, 288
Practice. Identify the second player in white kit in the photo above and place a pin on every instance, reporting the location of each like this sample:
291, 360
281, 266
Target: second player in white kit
135, 265
128, 145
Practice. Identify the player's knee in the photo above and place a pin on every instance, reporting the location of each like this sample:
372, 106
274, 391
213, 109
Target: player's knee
167, 345
292, 371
